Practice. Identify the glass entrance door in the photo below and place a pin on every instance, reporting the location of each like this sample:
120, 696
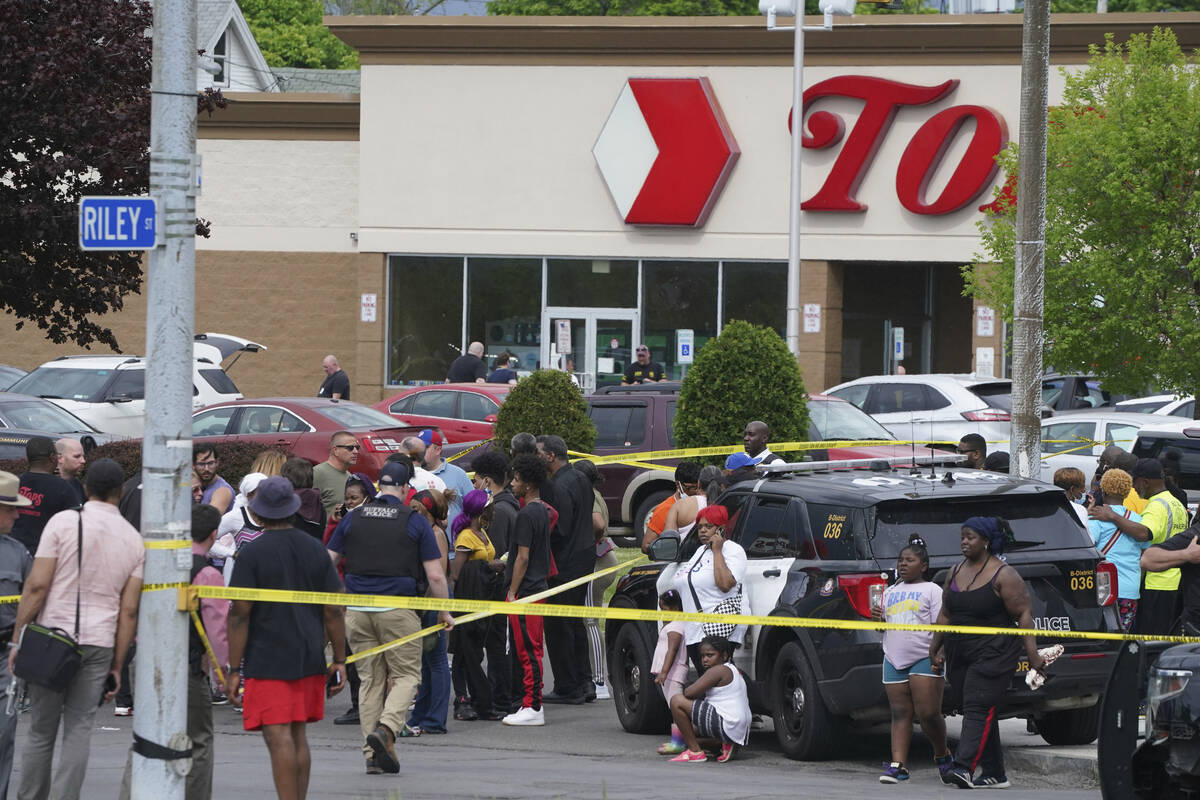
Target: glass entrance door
595, 345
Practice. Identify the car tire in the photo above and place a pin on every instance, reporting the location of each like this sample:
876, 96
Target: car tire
803, 724
1073, 726
640, 704
643, 512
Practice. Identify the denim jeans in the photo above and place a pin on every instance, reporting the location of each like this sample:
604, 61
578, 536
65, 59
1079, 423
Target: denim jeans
433, 698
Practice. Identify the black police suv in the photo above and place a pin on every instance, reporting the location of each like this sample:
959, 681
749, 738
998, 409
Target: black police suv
822, 541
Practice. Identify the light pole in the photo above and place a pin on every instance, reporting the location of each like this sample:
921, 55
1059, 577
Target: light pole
788, 8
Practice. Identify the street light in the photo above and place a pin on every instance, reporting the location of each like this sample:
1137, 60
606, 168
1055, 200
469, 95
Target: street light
788, 8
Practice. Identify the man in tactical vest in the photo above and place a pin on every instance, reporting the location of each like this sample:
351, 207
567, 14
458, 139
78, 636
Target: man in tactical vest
387, 549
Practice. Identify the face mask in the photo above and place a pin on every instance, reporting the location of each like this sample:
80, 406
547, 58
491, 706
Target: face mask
1080, 501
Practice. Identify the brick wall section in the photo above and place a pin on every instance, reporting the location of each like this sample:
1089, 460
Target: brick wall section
821, 353
302, 306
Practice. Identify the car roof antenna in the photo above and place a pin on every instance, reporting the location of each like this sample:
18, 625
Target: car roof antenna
912, 441
932, 470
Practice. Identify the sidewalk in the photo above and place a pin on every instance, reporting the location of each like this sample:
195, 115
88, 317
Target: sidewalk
1073, 765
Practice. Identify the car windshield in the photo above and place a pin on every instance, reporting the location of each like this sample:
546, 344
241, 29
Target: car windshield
41, 415
63, 383
348, 415
1142, 407
837, 419
1038, 520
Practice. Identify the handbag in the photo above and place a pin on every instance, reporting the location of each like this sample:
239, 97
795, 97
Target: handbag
48, 657
730, 605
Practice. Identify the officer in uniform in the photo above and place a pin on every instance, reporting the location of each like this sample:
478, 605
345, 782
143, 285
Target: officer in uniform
387, 549
15, 563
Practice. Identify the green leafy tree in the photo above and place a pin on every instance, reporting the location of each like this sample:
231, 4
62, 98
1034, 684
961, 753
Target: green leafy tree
1122, 295
290, 33
546, 403
744, 374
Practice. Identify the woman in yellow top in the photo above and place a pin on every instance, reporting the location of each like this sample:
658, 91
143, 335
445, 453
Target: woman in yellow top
472, 577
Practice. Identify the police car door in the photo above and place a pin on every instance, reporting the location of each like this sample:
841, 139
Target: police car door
766, 529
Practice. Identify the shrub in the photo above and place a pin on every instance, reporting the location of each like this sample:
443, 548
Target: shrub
546, 403
235, 457
744, 374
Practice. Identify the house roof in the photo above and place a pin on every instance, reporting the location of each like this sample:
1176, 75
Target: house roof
214, 17
298, 79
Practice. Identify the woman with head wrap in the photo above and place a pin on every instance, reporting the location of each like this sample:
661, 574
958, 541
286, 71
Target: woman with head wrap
472, 578
713, 575
983, 591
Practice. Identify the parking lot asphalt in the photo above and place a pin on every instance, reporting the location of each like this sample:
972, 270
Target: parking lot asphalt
582, 752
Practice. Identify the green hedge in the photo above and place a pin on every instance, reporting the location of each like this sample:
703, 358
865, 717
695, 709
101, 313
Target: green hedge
546, 403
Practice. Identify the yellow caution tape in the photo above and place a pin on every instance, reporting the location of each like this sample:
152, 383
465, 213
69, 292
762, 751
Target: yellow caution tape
158, 587
10, 598
469, 449
212, 657
167, 544
481, 614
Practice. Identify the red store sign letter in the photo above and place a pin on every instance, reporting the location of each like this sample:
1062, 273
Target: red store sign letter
882, 100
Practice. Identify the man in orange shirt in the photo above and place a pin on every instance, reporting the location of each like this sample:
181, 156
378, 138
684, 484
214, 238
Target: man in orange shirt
687, 483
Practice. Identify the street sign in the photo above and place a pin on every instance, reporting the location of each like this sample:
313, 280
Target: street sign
118, 223
685, 345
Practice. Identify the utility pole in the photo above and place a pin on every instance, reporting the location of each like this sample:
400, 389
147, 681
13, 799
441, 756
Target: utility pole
160, 692
1030, 252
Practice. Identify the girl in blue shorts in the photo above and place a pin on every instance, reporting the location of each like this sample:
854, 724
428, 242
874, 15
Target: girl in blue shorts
912, 684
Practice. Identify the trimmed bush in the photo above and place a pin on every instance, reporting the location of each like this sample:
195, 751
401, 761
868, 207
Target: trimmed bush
235, 457
546, 403
744, 374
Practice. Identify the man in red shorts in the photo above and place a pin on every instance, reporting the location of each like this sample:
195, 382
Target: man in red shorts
281, 646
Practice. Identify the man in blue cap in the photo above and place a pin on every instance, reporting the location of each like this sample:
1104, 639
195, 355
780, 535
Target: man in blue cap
451, 475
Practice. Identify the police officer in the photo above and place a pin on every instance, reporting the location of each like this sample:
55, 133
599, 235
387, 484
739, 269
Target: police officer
387, 549
15, 563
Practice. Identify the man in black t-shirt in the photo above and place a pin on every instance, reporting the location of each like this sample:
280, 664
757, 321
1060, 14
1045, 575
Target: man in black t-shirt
47, 493
643, 370
526, 573
469, 367
1181, 550
336, 383
281, 646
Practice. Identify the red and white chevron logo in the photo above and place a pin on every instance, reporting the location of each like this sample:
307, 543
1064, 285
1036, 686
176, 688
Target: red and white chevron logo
666, 151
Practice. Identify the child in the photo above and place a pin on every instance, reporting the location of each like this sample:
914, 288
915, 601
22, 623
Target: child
715, 710
908, 677
669, 665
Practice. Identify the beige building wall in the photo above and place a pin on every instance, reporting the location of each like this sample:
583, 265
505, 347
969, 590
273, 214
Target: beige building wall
821, 352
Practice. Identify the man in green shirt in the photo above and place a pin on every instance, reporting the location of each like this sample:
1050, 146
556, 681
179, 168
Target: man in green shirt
329, 477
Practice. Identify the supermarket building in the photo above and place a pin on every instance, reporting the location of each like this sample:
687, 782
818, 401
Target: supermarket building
629, 175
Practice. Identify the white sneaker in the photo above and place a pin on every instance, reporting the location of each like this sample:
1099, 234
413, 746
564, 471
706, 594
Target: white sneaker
602, 692
123, 711
526, 716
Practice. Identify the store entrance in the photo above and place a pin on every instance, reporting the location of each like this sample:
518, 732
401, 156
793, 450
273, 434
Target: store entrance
593, 344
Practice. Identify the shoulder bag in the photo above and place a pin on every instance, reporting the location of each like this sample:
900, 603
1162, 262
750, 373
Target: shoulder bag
48, 657
1117, 535
730, 605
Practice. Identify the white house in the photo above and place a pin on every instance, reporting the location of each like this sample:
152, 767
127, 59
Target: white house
225, 37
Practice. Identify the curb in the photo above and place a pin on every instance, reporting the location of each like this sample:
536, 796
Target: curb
1079, 771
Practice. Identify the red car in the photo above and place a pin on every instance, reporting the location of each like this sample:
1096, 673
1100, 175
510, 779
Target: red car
304, 425
465, 412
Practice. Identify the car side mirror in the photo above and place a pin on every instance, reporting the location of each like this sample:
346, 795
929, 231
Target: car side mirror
1045, 411
491, 418
665, 547
118, 398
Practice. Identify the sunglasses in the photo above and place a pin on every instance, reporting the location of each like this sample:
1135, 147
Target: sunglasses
349, 446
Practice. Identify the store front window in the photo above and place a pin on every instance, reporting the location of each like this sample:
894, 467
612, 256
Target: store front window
504, 302
425, 308
677, 295
752, 291
596, 283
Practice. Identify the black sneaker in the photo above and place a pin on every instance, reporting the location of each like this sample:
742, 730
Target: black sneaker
958, 777
349, 718
565, 699
992, 782
466, 713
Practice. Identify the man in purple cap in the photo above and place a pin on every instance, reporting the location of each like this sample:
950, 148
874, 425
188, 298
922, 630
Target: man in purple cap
451, 475
281, 646
387, 549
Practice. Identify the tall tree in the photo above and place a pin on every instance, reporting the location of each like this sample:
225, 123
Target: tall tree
290, 33
74, 121
1122, 220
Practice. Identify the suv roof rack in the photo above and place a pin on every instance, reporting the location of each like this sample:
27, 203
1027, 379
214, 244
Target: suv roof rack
129, 360
801, 467
661, 387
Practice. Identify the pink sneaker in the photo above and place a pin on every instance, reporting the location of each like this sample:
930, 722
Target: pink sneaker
727, 751
688, 757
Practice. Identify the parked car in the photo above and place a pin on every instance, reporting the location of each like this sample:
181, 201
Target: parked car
1166, 764
1167, 405
1065, 438
303, 425
940, 408
109, 392
10, 375
23, 417
1071, 392
1183, 435
822, 543
465, 412
640, 418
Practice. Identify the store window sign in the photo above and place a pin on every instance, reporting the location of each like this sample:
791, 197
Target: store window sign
920, 160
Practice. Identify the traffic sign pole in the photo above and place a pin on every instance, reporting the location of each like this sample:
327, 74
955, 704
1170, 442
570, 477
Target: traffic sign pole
161, 689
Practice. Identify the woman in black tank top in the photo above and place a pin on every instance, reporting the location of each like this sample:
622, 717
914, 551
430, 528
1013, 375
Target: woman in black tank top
982, 591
